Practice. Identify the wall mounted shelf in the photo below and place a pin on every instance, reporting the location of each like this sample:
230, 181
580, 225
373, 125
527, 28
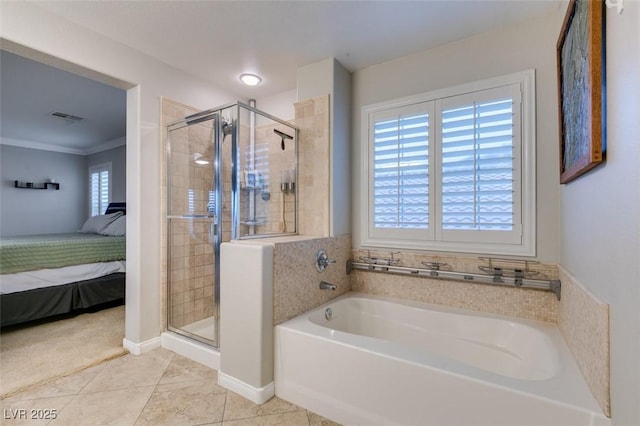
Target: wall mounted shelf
31, 185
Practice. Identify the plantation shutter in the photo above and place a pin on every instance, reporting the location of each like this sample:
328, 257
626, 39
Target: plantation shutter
453, 169
479, 163
401, 169
99, 178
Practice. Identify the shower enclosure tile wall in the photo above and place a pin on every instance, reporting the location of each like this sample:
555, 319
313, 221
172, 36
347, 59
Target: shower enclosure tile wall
265, 209
192, 266
312, 117
191, 295
171, 111
222, 180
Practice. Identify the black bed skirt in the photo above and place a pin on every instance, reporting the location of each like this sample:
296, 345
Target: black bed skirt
16, 308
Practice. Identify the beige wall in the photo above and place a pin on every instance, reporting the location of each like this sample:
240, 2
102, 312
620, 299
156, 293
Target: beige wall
600, 215
528, 45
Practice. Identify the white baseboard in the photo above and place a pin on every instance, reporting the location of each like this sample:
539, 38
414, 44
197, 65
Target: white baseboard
192, 349
140, 348
257, 395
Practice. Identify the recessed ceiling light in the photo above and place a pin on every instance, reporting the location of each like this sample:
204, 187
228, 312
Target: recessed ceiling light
250, 79
200, 159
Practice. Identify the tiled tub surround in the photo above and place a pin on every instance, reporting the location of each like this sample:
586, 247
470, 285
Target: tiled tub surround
439, 366
516, 302
295, 278
584, 323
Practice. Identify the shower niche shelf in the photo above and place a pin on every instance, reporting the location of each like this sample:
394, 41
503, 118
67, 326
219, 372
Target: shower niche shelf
31, 185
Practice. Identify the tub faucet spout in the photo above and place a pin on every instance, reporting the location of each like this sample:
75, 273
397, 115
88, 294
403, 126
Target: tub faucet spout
327, 286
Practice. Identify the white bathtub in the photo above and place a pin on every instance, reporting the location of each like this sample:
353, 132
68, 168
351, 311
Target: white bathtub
387, 361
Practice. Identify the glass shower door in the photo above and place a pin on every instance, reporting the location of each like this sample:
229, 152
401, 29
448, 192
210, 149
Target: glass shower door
194, 225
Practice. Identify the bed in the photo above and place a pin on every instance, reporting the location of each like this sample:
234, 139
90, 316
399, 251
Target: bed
47, 275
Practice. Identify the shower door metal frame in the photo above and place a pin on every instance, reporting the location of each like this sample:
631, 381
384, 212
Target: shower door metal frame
217, 223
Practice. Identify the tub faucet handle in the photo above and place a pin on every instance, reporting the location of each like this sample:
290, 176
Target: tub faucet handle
322, 261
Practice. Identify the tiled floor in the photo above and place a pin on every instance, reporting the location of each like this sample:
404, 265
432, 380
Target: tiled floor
155, 388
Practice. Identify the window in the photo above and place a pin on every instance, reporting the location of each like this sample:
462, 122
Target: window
99, 188
453, 170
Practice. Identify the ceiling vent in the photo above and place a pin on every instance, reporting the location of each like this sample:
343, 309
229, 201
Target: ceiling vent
66, 116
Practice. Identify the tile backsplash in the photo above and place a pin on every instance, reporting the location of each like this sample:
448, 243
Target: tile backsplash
584, 323
295, 278
517, 302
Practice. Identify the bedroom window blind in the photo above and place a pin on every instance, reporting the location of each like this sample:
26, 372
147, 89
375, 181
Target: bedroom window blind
99, 188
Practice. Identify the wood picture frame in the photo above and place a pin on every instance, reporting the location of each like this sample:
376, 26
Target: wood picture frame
581, 88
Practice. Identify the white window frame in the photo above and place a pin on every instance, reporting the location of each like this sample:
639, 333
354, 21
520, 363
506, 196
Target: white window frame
464, 242
97, 168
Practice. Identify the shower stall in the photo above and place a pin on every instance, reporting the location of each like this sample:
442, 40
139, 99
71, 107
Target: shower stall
231, 174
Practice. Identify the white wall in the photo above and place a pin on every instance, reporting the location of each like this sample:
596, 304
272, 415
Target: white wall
146, 80
50, 211
600, 215
329, 76
530, 44
279, 105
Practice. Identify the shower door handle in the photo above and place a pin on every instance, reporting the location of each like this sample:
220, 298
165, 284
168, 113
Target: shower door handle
213, 229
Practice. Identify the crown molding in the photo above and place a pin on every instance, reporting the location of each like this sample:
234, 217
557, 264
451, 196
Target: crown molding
114, 143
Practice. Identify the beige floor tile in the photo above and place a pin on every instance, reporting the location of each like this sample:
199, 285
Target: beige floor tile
182, 369
292, 418
69, 385
130, 371
184, 403
155, 388
318, 420
238, 407
32, 411
114, 407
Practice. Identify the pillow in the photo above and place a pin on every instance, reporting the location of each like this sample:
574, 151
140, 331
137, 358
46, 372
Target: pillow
116, 228
95, 224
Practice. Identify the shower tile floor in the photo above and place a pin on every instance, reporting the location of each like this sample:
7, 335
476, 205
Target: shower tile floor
158, 387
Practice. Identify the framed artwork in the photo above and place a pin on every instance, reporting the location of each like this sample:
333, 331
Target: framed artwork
581, 88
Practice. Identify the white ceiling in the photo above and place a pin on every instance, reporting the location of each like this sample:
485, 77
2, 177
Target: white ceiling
31, 91
218, 40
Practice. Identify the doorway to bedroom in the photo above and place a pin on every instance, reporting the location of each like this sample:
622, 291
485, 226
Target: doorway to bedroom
56, 126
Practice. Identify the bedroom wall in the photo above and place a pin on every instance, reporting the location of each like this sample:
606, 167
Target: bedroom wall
118, 159
530, 44
30, 211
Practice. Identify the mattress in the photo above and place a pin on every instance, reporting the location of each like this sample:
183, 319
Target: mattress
29, 280
33, 252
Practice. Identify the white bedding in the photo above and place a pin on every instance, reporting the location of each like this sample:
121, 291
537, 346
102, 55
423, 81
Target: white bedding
12, 283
